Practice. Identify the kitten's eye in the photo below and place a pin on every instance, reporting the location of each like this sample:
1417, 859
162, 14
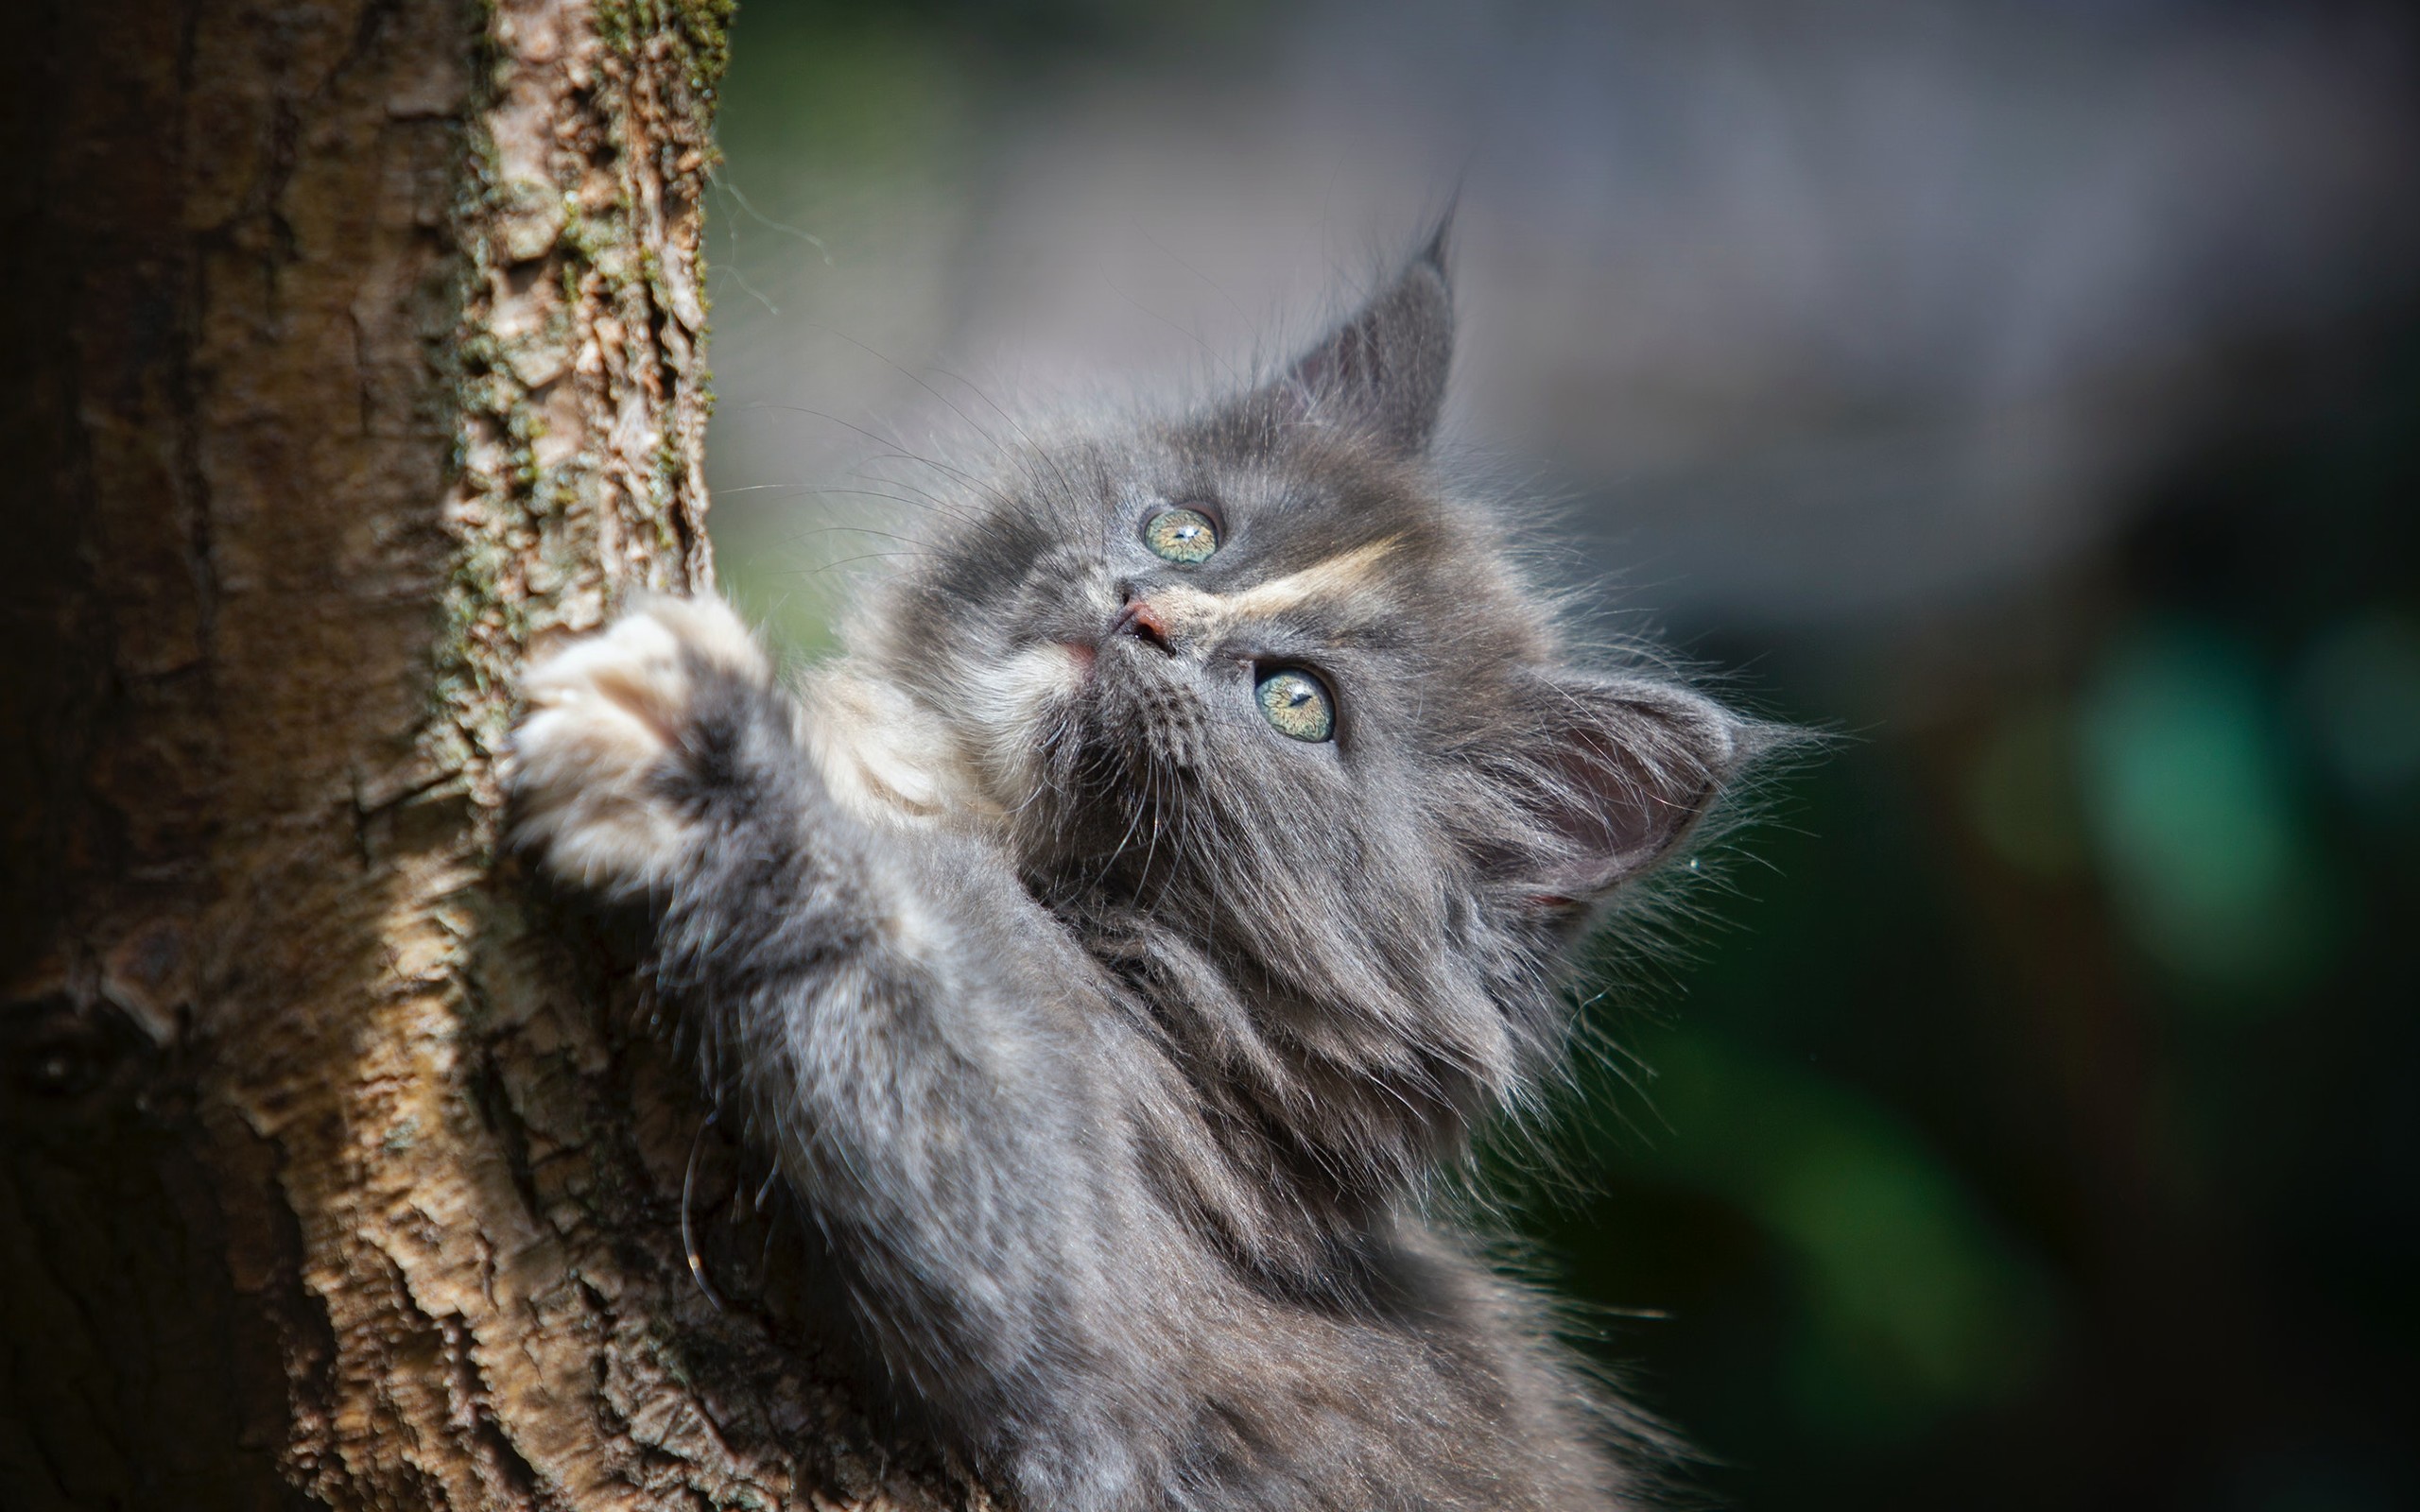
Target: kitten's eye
1185, 536
1298, 705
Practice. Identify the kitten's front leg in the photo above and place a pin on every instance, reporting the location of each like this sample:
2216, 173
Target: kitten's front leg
890, 1011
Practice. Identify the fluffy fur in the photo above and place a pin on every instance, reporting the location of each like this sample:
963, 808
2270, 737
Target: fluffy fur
1106, 1033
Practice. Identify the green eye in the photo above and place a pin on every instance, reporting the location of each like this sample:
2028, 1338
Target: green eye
1298, 705
1183, 536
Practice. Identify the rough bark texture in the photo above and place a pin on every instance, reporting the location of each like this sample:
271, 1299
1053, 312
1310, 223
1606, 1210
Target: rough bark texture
353, 345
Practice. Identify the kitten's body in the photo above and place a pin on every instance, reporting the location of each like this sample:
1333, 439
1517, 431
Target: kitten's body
1108, 1031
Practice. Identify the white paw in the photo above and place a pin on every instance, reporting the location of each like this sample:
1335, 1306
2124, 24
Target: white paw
588, 761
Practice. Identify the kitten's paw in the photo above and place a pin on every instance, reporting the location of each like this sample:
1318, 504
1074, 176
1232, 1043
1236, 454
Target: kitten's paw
594, 775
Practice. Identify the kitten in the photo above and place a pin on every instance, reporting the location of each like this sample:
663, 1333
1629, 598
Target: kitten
1179, 865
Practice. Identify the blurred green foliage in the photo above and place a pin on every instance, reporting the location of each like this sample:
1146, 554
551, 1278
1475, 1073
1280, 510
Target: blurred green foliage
2193, 812
1913, 1302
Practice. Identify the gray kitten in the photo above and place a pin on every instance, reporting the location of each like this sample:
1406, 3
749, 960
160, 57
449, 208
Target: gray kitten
1178, 869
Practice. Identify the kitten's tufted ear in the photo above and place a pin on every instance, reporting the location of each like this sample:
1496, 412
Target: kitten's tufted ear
1383, 371
1622, 770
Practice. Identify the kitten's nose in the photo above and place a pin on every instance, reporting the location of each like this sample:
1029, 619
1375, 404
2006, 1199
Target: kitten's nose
1141, 620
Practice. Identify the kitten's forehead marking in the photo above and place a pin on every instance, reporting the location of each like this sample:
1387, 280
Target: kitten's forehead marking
1337, 577
1333, 582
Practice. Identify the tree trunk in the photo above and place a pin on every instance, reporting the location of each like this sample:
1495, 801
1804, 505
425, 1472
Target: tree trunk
354, 345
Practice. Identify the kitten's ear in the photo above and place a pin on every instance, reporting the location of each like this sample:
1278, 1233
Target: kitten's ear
1382, 372
1621, 772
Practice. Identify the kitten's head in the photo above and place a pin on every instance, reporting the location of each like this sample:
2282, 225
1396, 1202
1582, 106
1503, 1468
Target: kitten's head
1257, 677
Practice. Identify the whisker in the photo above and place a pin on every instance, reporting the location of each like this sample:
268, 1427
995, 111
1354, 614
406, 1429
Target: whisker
918, 380
688, 1232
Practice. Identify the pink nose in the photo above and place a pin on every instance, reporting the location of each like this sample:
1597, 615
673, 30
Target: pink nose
1141, 620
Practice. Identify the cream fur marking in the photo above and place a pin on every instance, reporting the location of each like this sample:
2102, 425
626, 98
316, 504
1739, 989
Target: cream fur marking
1198, 618
885, 758
1342, 576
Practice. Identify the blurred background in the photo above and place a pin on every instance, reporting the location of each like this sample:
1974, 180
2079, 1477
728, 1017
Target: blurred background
2028, 392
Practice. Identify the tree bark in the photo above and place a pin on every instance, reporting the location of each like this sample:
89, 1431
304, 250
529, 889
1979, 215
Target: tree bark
353, 346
